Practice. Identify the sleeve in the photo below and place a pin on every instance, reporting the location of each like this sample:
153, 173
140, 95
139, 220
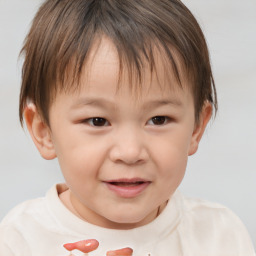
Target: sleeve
214, 230
4, 249
235, 233
12, 242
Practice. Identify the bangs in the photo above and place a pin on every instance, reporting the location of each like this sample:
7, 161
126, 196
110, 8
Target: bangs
132, 65
64, 33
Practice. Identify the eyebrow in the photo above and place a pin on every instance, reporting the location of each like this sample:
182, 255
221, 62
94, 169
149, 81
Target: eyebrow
99, 102
162, 102
104, 103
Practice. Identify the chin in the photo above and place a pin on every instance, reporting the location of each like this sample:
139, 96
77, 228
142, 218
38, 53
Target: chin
127, 221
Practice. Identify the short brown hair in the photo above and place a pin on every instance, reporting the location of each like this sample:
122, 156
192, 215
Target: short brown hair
65, 30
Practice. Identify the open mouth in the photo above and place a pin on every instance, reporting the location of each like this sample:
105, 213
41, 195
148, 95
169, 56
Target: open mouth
127, 184
127, 188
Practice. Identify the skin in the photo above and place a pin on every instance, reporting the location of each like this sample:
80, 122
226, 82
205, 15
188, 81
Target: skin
129, 144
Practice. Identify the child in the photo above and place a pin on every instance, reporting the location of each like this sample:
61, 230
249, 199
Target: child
120, 92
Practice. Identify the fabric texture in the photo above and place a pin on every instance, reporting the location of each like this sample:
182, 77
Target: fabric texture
186, 227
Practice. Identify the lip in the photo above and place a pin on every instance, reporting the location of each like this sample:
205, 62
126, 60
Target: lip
127, 188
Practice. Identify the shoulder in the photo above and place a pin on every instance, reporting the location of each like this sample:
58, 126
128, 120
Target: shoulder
13, 227
21, 218
36, 212
209, 213
25, 208
26, 215
215, 226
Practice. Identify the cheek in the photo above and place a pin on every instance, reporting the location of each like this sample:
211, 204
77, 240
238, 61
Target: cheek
171, 173
172, 151
79, 159
172, 165
80, 170
74, 146
171, 157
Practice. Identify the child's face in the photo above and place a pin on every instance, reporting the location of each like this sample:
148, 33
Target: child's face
122, 158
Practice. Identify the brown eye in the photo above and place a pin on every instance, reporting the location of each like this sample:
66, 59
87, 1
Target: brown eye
158, 120
97, 121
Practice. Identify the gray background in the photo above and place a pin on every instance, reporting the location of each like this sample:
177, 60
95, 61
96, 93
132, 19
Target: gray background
223, 170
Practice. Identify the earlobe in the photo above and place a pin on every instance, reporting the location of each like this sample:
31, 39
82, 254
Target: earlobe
198, 132
39, 132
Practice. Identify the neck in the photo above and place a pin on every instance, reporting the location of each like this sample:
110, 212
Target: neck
92, 217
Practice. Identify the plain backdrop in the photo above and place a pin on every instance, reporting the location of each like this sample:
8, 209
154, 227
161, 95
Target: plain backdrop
224, 168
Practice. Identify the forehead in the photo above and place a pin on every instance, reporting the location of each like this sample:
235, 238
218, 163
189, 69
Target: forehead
105, 66
100, 85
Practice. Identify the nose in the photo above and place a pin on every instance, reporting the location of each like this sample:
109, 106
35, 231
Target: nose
128, 147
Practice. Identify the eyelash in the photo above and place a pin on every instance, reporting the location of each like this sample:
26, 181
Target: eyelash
104, 122
164, 119
93, 120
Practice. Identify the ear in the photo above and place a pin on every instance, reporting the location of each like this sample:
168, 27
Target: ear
198, 132
39, 132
